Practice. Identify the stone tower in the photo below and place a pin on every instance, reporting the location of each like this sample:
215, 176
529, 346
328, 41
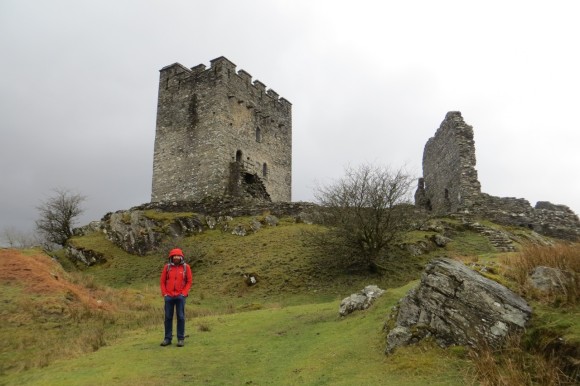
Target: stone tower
449, 183
218, 133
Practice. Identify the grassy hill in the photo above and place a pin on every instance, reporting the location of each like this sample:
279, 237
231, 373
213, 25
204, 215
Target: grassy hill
103, 324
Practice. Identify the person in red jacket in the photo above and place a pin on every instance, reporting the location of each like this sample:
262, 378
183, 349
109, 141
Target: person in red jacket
175, 282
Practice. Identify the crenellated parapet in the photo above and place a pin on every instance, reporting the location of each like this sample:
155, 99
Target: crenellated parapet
223, 70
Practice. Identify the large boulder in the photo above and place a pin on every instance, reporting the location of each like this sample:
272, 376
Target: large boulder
456, 306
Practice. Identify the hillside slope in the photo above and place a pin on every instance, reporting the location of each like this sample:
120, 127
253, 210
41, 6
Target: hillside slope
103, 324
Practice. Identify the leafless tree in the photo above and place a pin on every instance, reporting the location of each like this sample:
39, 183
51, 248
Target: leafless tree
15, 238
366, 211
58, 215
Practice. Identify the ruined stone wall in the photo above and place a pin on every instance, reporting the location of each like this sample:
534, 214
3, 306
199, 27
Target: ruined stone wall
209, 118
545, 218
450, 181
228, 206
450, 186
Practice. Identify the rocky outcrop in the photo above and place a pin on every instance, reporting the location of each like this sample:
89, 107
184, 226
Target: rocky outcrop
141, 230
456, 306
85, 256
93, 226
360, 301
137, 233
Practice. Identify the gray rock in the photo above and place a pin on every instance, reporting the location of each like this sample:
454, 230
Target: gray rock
210, 221
85, 256
457, 306
271, 220
550, 280
372, 291
399, 336
93, 226
256, 225
136, 233
239, 230
440, 240
360, 301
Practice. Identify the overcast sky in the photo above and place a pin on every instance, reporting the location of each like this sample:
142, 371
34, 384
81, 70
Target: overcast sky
369, 81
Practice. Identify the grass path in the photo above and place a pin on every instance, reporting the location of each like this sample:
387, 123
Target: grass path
296, 345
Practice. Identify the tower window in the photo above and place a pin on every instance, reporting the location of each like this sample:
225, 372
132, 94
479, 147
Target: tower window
265, 170
239, 156
258, 135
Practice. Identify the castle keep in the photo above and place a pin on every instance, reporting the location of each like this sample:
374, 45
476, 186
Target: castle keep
218, 133
450, 186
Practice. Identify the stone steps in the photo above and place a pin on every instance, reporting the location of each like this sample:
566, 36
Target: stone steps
498, 239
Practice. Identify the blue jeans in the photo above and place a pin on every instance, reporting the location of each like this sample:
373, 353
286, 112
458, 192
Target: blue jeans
173, 304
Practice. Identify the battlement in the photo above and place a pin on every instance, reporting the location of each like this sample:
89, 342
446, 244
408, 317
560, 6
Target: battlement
222, 69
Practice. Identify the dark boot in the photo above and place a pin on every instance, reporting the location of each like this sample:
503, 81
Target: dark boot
166, 342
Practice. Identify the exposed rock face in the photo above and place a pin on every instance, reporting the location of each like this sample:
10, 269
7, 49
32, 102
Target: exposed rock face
138, 234
93, 226
450, 185
457, 306
360, 301
85, 256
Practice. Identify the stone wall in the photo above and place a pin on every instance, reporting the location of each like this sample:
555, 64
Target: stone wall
228, 206
545, 218
209, 118
450, 181
449, 186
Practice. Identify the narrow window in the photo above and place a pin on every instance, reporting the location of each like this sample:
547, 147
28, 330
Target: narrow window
265, 170
239, 156
258, 135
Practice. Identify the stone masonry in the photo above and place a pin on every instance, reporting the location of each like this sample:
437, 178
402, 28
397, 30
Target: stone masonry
449, 168
450, 186
218, 133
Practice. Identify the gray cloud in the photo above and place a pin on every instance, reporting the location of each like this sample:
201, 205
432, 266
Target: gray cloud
369, 83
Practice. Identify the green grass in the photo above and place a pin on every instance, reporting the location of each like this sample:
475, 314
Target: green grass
470, 243
304, 344
285, 330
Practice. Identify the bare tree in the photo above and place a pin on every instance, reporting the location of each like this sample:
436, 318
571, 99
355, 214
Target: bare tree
58, 215
15, 238
366, 211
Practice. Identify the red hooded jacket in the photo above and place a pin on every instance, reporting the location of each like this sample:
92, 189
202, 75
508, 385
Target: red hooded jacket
177, 281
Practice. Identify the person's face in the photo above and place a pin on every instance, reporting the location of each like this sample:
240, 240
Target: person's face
176, 259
